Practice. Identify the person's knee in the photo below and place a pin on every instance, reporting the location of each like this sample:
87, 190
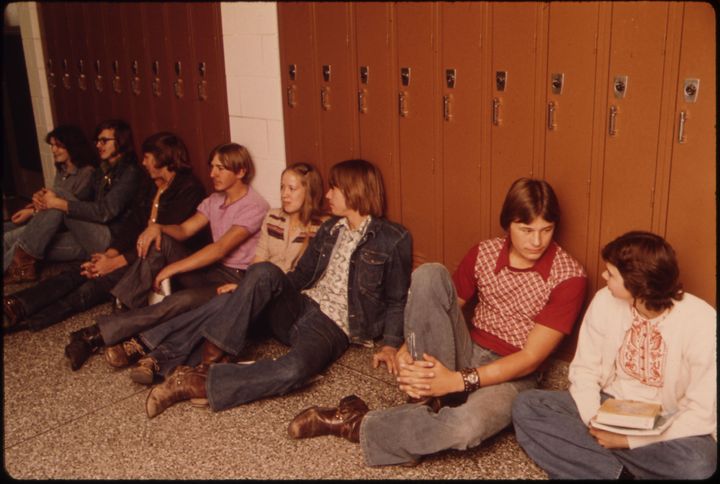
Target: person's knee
261, 271
524, 403
429, 278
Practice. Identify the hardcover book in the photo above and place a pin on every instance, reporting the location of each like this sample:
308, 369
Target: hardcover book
628, 413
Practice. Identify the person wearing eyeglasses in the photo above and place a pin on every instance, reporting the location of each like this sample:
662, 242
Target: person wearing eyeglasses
90, 223
74, 167
170, 194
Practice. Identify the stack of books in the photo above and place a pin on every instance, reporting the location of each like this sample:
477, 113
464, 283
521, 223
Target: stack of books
630, 417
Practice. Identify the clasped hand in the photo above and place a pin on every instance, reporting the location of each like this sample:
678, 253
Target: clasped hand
98, 265
424, 378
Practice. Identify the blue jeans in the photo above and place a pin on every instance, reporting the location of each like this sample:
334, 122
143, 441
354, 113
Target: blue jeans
11, 234
267, 297
42, 237
549, 428
407, 432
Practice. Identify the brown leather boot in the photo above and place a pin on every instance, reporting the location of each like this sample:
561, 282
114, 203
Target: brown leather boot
13, 313
125, 353
183, 383
145, 370
21, 269
212, 354
342, 421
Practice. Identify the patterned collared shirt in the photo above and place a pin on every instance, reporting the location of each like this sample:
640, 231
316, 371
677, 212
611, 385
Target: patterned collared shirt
331, 290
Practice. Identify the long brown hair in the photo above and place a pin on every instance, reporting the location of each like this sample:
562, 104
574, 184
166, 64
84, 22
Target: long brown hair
313, 184
361, 183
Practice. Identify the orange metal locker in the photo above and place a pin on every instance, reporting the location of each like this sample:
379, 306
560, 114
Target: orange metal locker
692, 209
514, 33
460, 105
634, 93
338, 113
377, 95
159, 65
420, 166
570, 86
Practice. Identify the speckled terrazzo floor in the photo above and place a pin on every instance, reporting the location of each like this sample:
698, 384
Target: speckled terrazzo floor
91, 424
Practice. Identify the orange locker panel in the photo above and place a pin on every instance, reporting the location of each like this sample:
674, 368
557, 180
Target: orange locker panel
461, 79
297, 69
570, 86
514, 90
692, 209
376, 95
419, 115
634, 93
338, 113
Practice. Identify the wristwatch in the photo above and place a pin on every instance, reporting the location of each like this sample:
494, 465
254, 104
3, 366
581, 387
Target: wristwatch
471, 379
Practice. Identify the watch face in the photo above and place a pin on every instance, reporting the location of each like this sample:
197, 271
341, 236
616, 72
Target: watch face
473, 377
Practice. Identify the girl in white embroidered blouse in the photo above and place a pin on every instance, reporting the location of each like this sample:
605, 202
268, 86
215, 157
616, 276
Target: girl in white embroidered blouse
642, 338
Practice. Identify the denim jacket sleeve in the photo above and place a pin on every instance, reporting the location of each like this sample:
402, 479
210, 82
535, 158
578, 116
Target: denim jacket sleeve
308, 269
396, 289
116, 200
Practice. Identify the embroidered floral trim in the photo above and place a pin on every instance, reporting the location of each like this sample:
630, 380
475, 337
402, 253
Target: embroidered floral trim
642, 354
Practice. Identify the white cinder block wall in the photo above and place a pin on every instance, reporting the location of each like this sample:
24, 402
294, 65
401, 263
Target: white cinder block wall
252, 66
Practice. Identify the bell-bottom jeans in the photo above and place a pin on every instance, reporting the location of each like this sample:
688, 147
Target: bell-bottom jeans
266, 297
549, 429
435, 322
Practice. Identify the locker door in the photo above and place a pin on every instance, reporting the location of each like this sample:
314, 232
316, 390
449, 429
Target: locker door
79, 66
116, 65
633, 117
338, 113
418, 127
692, 206
297, 70
55, 44
159, 64
514, 35
96, 77
461, 80
570, 86
376, 95
207, 85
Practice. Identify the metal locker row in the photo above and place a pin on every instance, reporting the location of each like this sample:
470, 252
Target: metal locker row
455, 100
155, 65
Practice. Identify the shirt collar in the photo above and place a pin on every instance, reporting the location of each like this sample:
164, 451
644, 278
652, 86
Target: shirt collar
343, 222
542, 266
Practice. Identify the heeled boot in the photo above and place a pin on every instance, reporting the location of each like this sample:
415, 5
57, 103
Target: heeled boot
83, 343
342, 421
21, 269
183, 383
212, 354
13, 314
125, 353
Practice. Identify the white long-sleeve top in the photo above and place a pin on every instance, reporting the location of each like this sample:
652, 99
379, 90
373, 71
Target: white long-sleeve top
690, 386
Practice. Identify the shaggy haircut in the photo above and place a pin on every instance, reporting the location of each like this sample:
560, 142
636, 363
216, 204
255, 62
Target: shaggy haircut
527, 200
74, 140
168, 150
648, 266
361, 184
235, 157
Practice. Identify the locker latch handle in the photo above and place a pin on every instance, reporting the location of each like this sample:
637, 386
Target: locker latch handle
202, 85
156, 81
98, 77
178, 85
402, 103
612, 129
291, 96
552, 125
447, 107
51, 75
496, 111
325, 98
66, 75
82, 80
117, 87
681, 128
362, 101
135, 82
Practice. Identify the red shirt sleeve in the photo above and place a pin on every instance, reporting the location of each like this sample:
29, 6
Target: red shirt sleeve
564, 305
464, 276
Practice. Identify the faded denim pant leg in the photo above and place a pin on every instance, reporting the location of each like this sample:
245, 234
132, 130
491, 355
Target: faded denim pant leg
407, 432
267, 297
548, 427
43, 239
11, 234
